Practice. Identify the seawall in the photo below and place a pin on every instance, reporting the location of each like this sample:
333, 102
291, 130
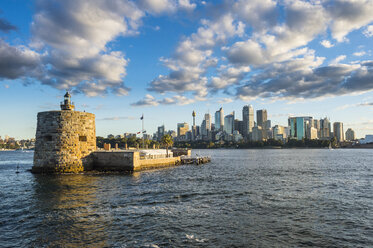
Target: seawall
129, 161
64, 141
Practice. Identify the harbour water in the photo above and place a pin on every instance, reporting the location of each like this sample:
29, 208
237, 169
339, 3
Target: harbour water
262, 198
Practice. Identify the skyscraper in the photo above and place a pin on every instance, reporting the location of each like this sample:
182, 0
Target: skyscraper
160, 132
182, 128
261, 117
248, 120
350, 134
298, 126
325, 128
338, 131
206, 126
219, 120
208, 121
229, 123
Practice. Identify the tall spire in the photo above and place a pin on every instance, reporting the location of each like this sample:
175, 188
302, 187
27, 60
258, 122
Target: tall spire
194, 118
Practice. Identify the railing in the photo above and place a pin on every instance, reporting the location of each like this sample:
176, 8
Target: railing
152, 156
63, 103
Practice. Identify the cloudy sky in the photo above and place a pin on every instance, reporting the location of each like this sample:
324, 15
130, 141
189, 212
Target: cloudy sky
166, 58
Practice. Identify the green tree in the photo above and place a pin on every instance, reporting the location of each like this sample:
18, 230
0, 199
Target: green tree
167, 141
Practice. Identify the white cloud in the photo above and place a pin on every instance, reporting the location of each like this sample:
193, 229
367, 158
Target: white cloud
148, 100
368, 32
74, 35
165, 6
193, 57
326, 44
347, 16
18, 61
284, 81
225, 100
338, 59
361, 53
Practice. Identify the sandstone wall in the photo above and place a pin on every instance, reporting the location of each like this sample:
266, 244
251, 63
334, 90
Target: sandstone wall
113, 160
64, 141
128, 161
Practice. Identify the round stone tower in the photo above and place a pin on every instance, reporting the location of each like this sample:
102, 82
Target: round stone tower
64, 140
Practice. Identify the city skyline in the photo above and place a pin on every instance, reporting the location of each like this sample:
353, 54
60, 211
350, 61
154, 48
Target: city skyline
164, 59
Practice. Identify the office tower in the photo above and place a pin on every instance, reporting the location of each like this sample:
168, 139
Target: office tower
238, 126
338, 131
208, 122
311, 132
316, 124
261, 117
160, 132
325, 127
298, 126
350, 134
248, 120
219, 120
267, 124
279, 132
182, 128
257, 133
203, 128
229, 123
206, 126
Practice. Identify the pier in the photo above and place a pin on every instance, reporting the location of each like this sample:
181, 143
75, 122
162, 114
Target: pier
195, 160
138, 160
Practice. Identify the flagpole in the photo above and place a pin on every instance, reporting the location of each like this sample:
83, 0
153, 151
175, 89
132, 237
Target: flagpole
143, 138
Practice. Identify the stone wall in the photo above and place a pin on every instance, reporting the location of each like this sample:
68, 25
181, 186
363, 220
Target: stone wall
128, 161
113, 160
64, 141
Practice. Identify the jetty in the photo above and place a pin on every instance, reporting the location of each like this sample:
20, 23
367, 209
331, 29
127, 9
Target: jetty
195, 160
66, 143
137, 160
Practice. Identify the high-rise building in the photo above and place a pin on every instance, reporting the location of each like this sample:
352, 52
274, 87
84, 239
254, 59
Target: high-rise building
206, 126
298, 126
238, 126
182, 128
229, 123
325, 129
208, 122
350, 134
203, 128
316, 124
219, 120
279, 132
160, 132
257, 133
338, 131
261, 117
267, 124
248, 120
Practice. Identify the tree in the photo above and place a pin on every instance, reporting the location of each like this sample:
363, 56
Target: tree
167, 141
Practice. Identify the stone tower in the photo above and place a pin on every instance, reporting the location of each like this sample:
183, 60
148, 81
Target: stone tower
64, 140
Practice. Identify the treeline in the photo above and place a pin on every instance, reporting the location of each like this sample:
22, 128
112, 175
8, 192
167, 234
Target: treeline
292, 143
306, 143
131, 142
9, 146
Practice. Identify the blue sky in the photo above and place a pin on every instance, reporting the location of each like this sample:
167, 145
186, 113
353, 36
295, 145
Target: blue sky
166, 58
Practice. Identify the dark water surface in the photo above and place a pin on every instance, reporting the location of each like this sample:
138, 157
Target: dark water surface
244, 198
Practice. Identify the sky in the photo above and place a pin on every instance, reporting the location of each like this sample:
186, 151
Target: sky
165, 58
